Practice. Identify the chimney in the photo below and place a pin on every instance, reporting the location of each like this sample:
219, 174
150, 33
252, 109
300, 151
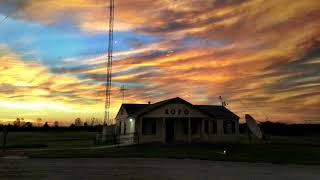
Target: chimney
149, 102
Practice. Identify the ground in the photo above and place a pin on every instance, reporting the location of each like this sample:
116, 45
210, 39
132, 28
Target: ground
60, 139
137, 168
276, 149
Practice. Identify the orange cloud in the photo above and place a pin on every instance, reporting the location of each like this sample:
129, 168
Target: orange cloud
263, 56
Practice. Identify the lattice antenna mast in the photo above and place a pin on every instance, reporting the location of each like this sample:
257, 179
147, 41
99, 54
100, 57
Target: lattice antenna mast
109, 64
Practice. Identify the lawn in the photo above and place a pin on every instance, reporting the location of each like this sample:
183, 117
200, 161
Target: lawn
276, 149
273, 153
49, 139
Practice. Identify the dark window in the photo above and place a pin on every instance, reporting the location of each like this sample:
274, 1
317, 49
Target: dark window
194, 126
120, 127
149, 126
206, 126
185, 126
229, 127
233, 127
125, 129
213, 127
154, 125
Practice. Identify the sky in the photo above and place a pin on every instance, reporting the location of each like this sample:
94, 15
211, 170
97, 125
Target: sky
262, 57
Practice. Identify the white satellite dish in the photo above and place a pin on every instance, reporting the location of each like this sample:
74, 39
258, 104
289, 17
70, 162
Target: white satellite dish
253, 126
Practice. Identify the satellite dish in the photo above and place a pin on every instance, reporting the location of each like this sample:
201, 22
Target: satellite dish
253, 126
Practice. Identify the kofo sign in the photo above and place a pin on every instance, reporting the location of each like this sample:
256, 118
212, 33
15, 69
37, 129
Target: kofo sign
176, 112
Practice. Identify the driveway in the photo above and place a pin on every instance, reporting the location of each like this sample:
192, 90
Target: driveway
124, 168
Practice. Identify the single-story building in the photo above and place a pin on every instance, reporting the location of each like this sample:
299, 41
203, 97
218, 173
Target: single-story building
176, 120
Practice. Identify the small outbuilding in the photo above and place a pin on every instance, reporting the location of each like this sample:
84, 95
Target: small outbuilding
176, 120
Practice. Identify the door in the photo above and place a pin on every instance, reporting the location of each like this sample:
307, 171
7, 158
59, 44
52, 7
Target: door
169, 130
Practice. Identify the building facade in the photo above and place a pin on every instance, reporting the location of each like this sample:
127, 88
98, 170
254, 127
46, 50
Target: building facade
176, 120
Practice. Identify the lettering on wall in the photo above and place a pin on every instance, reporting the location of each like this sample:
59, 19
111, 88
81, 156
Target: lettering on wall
176, 112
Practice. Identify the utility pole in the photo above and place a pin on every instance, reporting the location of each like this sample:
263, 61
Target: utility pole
122, 90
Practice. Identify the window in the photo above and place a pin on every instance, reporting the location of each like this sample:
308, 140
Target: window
229, 127
213, 127
194, 126
185, 126
125, 129
120, 127
148, 126
206, 126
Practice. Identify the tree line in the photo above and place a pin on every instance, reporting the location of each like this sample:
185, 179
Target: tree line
20, 125
276, 128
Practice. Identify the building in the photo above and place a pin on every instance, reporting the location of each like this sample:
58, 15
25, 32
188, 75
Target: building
176, 120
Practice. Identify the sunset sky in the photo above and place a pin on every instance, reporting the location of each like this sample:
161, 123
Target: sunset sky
263, 57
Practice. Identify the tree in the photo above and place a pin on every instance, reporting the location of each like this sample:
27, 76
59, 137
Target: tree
17, 122
27, 125
56, 124
39, 122
46, 126
93, 121
78, 122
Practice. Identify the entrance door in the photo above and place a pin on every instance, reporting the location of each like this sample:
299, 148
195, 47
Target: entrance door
169, 130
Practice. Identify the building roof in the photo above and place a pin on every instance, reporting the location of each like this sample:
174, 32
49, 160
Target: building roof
218, 111
133, 108
215, 111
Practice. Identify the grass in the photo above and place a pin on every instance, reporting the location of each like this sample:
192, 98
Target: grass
236, 152
49, 139
276, 149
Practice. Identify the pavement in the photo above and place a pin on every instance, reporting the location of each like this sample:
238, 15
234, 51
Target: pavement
139, 168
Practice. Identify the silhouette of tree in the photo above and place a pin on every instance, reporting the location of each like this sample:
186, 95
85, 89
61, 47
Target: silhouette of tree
93, 121
39, 122
78, 122
46, 126
27, 125
56, 124
72, 127
17, 122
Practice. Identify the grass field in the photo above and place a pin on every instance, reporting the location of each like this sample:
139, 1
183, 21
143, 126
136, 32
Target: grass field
236, 152
49, 139
276, 149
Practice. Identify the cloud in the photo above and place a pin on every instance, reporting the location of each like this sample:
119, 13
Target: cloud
30, 86
262, 56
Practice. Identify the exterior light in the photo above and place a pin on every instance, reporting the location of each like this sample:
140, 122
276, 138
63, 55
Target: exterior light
130, 119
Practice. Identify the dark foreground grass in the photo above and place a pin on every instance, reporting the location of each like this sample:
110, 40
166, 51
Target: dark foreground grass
49, 139
276, 149
236, 152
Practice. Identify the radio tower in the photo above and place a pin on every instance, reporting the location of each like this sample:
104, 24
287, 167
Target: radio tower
107, 120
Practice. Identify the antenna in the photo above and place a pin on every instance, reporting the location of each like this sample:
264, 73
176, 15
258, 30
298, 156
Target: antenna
109, 65
122, 90
223, 102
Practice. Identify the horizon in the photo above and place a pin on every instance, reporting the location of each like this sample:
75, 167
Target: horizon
262, 57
